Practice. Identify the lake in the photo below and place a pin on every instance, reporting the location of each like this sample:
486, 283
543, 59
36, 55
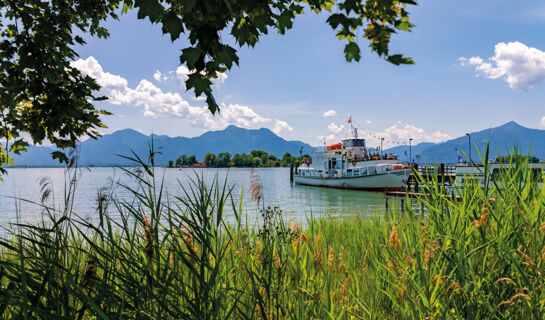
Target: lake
295, 200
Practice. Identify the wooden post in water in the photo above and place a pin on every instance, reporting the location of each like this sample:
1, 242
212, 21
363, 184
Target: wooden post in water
415, 177
291, 172
442, 174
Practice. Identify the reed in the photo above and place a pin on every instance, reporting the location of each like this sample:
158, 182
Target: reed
185, 256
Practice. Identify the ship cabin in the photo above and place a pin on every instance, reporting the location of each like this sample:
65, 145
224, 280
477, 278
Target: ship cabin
353, 143
354, 148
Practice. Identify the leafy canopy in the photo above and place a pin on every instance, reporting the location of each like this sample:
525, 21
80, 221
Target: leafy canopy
204, 20
42, 96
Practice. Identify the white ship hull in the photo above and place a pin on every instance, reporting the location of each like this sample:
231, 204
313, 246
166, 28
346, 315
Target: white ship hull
391, 180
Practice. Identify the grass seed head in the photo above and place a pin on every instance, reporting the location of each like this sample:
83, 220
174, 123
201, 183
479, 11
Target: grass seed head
394, 238
505, 279
304, 238
410, 261
277, 262
330, 258
317, 257
295, 228
148, 237
453, 288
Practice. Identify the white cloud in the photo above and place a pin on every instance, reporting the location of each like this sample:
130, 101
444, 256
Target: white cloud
400, 133
543, 121
368, 121
280, 126
330, 113
92, 68
157, 103
335, 128
397, 134
182, 73
521, 66
336, 133
157, 76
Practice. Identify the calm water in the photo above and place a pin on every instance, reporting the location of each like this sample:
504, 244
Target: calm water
297, 201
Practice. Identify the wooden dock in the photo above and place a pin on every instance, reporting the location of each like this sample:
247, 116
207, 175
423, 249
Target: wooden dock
443, 174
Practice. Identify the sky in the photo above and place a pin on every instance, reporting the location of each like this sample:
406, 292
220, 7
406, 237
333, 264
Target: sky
478, 64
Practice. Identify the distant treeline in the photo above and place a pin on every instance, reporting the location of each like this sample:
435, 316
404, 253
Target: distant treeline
256, 158
517, 158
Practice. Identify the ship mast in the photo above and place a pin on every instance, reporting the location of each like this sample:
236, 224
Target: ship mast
353, 130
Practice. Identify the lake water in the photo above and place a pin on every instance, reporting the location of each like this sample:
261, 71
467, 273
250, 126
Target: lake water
295, 200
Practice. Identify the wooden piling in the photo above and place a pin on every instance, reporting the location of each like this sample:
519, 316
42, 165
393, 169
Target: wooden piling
291, 172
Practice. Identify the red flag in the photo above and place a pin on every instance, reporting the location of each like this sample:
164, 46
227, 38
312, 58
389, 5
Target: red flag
350, 120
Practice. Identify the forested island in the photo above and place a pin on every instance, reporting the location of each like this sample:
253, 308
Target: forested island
256, 158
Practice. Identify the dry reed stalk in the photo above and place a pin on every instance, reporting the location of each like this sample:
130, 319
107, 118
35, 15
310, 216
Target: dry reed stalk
256, 187
148, 236
506, 279
394, 238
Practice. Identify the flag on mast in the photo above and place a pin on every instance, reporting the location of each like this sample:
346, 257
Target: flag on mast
350, 119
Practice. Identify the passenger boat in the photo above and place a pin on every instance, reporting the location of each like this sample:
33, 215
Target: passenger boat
349, 165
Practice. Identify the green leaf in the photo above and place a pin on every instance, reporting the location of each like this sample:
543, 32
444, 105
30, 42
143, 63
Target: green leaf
190, 56
212, 105
60, 156
352, 52
405, 26
149, 8
337, 18
227, 55
18, 146
198, 82
398, 59
172, 24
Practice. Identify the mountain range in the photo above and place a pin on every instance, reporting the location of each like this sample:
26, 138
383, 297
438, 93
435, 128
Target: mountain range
105, 151
502, 140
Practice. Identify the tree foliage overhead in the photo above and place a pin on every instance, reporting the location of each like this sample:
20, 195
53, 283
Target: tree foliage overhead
43, 96
203, 22
40, 93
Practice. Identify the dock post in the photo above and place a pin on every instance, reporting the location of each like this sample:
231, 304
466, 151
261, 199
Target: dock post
442, 172
415, 177
291, 172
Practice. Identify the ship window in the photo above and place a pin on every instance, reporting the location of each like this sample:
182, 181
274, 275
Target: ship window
349, 172
363, 172
356, 172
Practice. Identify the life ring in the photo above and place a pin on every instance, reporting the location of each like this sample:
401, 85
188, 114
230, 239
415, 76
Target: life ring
354, 161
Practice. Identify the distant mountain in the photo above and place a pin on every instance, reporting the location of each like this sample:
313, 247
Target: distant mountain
502, 140
105, 150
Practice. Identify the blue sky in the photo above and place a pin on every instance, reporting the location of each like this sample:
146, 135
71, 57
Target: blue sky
287, 83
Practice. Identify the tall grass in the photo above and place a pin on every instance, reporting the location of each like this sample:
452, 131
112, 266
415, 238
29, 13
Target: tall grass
189, 256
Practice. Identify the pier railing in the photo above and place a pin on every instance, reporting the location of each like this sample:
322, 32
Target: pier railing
441, 169
443, 174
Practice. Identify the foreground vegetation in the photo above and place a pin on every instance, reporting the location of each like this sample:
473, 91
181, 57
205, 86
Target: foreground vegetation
194, 256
